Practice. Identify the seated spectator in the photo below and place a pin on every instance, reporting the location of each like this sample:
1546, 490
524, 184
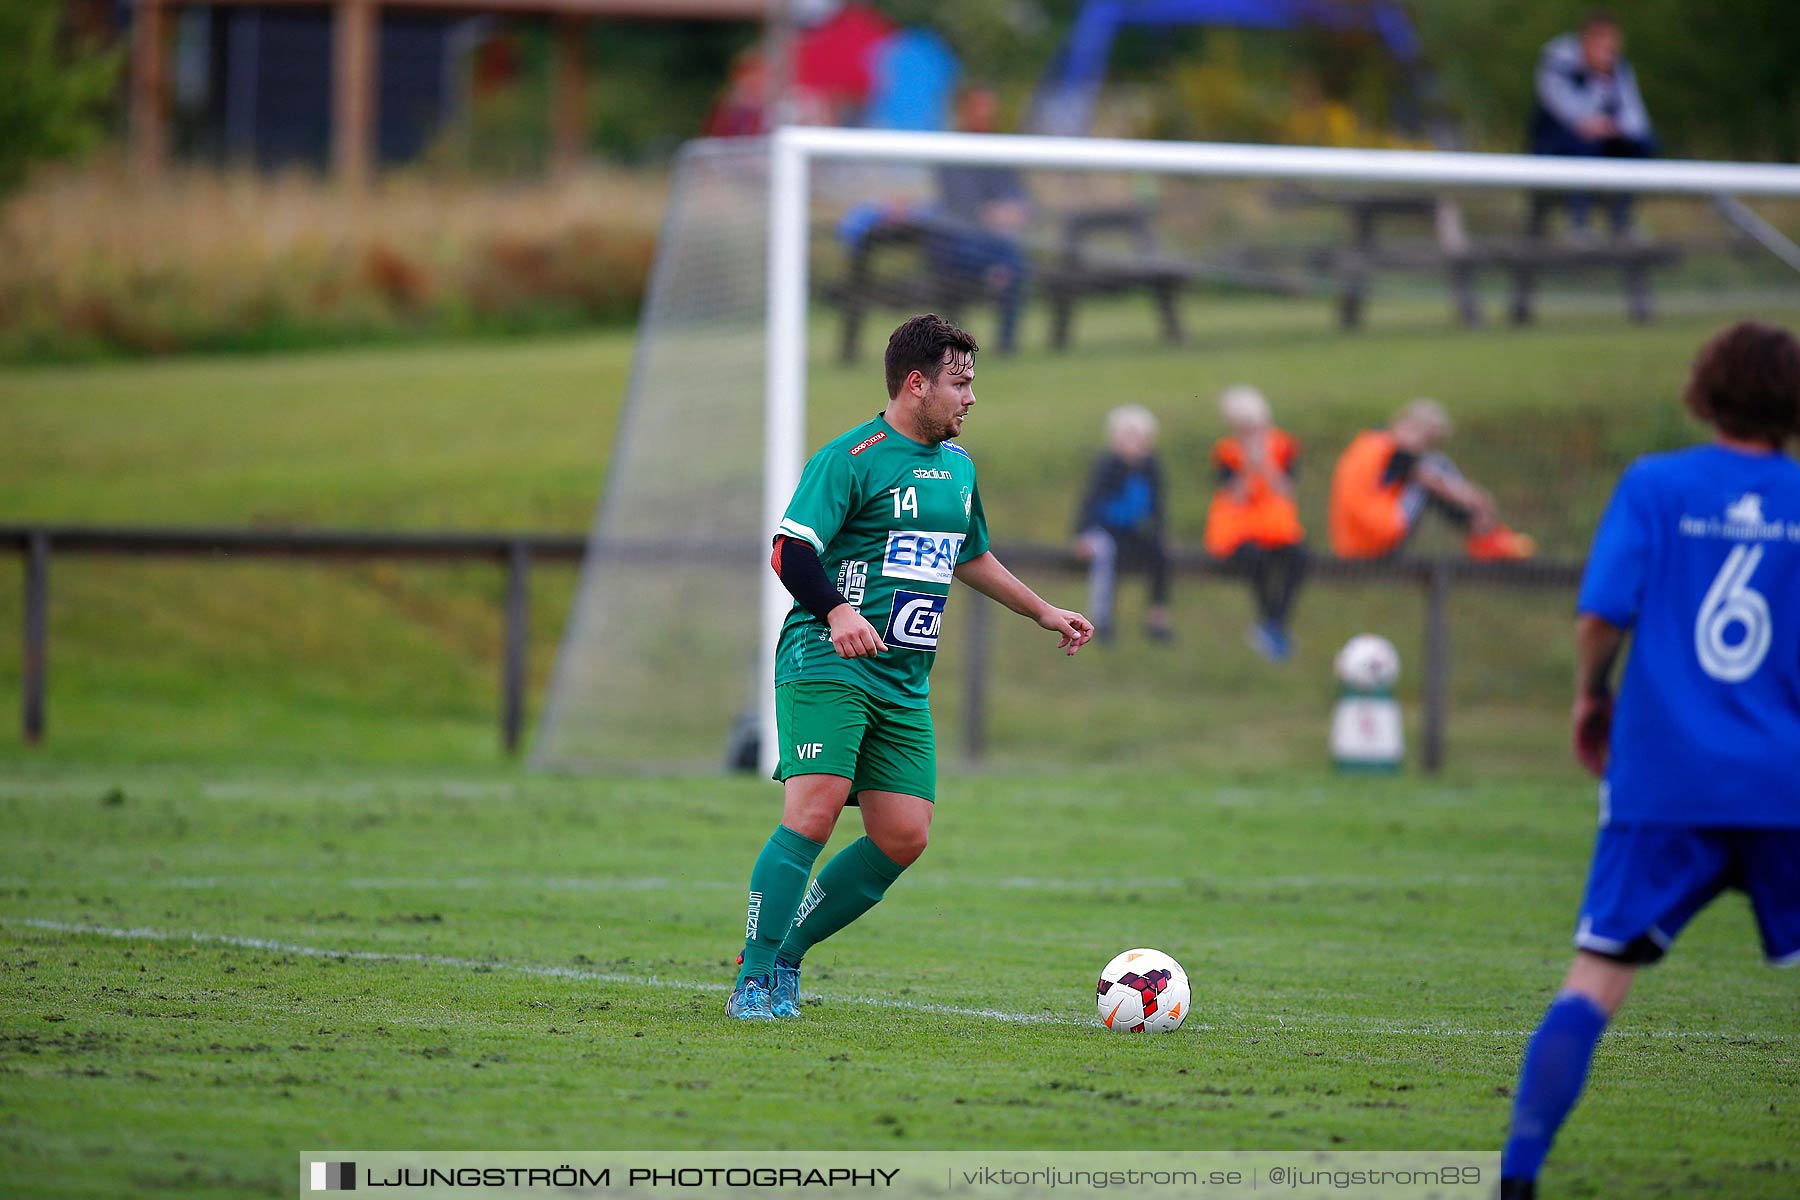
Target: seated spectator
1253, 520
988, 209
1120, 522
1588, 105
1387, 478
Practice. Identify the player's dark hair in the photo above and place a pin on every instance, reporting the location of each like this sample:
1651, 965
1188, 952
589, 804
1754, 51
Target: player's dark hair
1599, 18
1746, 381
919, 345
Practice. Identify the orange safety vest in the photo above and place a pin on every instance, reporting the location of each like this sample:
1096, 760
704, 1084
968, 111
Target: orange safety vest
1367, 518
1264, 516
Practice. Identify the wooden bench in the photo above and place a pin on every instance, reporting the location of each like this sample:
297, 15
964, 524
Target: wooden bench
1086, 269
1528, 259
892, 266
1460, 260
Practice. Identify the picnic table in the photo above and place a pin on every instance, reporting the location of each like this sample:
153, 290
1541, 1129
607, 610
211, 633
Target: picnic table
1460, 259
898, 263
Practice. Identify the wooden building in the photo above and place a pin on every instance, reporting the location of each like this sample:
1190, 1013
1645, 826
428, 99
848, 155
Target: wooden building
361, 80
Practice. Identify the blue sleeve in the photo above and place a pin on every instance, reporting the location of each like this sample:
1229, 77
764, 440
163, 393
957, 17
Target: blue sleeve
1612, 587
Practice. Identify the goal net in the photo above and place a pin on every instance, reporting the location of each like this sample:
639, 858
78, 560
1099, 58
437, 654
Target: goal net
1549, 307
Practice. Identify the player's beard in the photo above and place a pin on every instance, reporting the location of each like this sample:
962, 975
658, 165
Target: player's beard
938, 427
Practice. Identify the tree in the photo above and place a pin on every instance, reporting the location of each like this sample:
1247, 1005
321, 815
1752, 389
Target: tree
55, 99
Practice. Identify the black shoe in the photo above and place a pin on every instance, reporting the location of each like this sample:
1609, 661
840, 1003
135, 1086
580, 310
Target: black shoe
1518, 1189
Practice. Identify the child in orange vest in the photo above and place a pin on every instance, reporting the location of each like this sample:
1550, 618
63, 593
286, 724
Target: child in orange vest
1386, 479
1253, 520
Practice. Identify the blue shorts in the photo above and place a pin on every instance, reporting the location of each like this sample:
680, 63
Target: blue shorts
1649, 881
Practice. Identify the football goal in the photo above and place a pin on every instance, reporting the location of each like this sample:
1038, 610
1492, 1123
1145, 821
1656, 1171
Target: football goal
1548, 305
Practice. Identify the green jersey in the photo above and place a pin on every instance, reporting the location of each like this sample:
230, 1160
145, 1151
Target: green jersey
891, 519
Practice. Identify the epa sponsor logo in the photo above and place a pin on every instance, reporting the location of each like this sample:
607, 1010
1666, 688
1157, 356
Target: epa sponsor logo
915, 621
866, 443
931, 473
927, 557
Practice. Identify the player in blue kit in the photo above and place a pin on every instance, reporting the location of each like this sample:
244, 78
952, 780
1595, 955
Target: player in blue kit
1698, 556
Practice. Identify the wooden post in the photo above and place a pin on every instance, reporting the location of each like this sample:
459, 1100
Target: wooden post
975, 681
778, 64
353, 50
1437, 663
1356, 267
149, 53
518, 642
568, 95
37, 634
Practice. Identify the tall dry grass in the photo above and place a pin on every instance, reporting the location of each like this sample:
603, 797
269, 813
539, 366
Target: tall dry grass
95, 262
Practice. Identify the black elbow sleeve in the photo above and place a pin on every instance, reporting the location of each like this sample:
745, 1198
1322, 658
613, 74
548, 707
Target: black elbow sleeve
803, 575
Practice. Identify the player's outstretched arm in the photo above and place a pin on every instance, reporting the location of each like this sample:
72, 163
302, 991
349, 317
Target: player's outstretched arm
986, 575
1597, 645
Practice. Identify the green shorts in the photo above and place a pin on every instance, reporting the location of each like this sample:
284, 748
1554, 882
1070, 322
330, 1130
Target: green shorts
830, 728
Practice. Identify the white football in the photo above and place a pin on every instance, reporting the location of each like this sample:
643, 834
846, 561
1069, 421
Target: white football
1368, 661
1143, 991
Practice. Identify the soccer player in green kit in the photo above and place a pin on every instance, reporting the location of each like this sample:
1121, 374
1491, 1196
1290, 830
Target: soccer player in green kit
885, 517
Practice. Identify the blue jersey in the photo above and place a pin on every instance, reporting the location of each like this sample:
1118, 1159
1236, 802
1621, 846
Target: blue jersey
1699, 554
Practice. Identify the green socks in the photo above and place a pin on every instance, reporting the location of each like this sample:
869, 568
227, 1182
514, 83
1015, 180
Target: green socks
856, 877
776, 883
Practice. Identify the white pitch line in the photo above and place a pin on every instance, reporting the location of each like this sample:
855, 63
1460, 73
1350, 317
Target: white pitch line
542, 972
1241, 1023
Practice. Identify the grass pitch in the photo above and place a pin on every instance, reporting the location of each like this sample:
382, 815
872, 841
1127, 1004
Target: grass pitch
209, 970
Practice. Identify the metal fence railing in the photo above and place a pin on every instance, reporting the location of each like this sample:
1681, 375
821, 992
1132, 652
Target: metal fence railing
516, 553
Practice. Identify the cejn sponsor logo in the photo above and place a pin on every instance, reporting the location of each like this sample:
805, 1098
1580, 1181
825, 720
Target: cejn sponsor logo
866, 443
853, 581
927, 557
915, 621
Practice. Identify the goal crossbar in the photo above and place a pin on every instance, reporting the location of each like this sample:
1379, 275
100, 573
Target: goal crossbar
794, 148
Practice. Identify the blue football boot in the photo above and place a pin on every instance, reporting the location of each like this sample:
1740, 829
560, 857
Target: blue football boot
785, 1002
750, 1000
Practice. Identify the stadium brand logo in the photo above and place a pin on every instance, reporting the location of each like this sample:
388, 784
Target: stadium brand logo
334, 1177
928, 557
753, 916
931, 473
810, 749
814, 895
916, 621
866, 443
